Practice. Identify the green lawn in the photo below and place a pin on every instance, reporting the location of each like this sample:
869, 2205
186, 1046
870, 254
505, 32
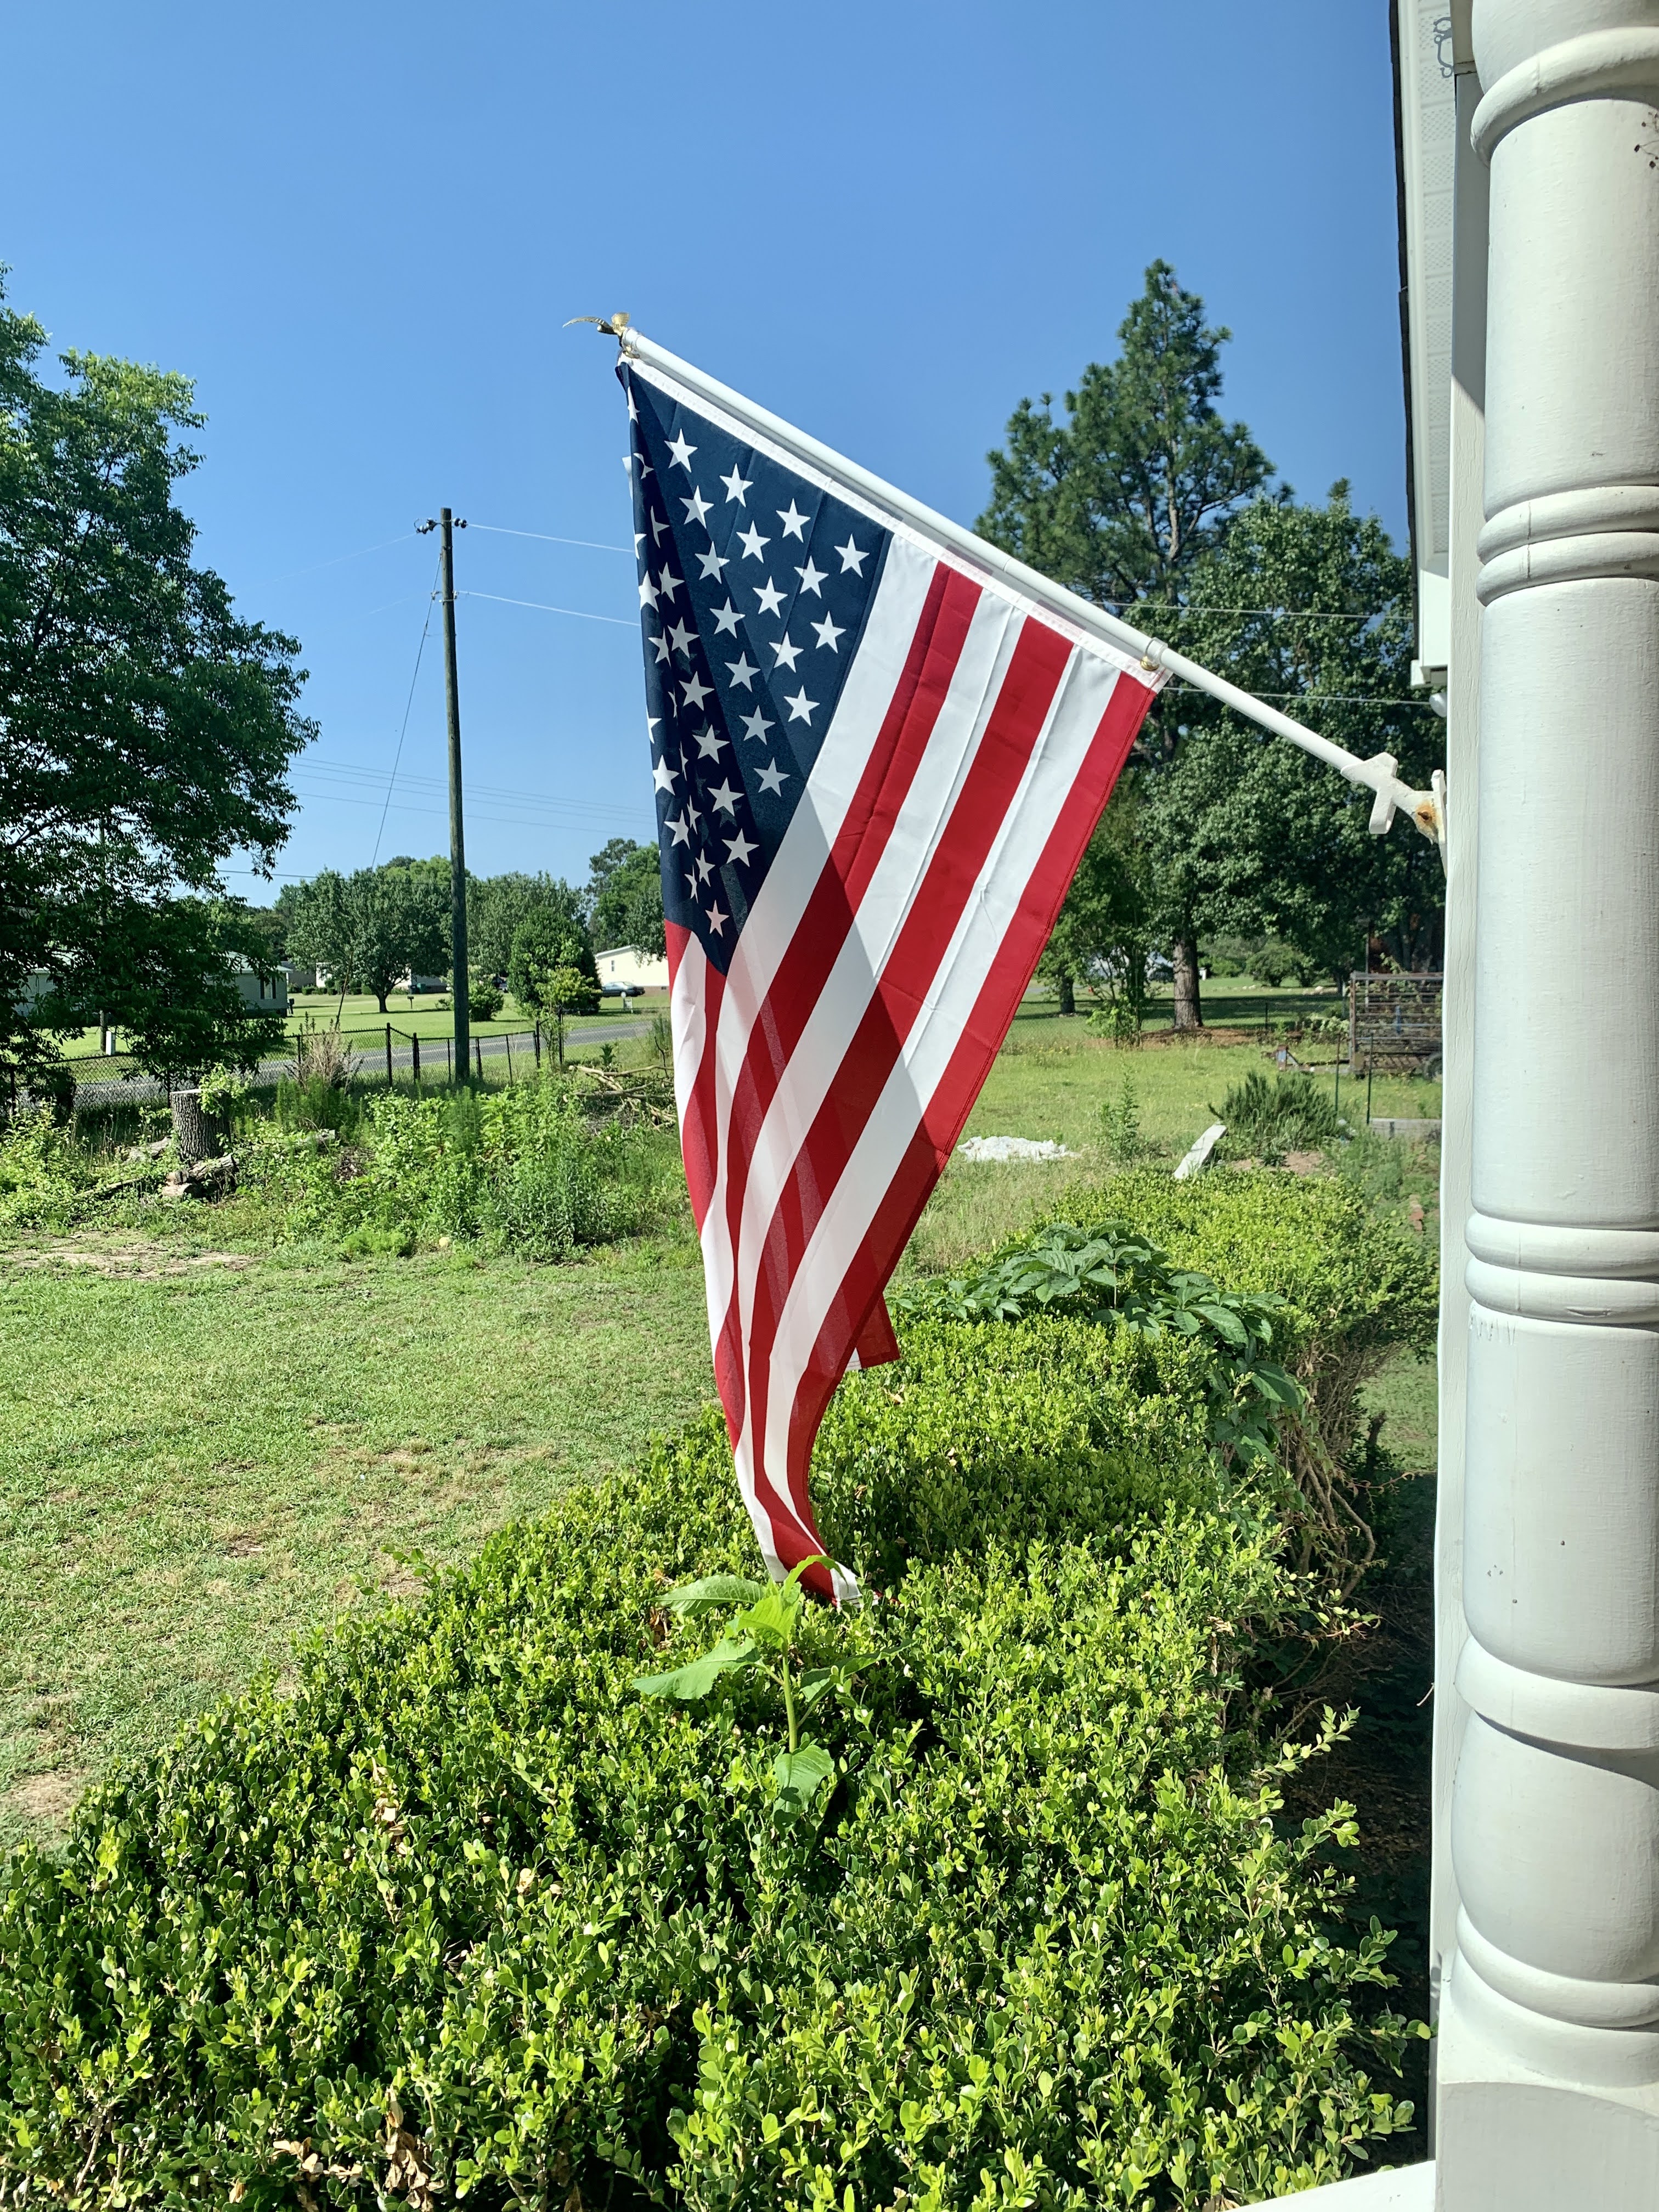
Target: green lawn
200, 1456
196, 1462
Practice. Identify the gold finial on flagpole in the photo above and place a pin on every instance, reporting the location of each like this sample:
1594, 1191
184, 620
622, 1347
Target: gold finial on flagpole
611, 327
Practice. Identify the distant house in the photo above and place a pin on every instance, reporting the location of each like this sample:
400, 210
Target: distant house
300, 977
407, 982
264, 990
625, 967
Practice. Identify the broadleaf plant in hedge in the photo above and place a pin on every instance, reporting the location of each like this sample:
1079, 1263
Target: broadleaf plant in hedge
463, 1918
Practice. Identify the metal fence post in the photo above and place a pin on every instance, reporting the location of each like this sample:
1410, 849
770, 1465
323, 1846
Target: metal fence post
415, 1052
388, 1055
509, 1055
477, 1049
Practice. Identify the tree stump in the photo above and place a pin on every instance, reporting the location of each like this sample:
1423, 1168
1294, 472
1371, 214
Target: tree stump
198, 1135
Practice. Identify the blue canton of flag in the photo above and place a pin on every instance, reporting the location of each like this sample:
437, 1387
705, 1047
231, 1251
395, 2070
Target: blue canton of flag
876, 765
755, 583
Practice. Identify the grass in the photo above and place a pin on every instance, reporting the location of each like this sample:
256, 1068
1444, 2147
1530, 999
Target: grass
204, 1451
1052, 1079
200, 1457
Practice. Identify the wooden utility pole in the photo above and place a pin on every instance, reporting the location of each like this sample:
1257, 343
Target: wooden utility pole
459, 973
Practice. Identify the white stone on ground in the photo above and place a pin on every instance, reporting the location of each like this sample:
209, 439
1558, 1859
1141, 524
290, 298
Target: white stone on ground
1013, 1148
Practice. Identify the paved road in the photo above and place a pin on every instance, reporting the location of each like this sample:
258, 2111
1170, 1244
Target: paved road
514, 1049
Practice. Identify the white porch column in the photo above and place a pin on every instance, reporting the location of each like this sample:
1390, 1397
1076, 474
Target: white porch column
1549, 2058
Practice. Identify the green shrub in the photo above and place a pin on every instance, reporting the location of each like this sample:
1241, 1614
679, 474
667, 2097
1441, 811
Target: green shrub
1045, 1428
483, 1000
1355, 1290
1266, 1119
314, 1101
53, 1176
521, 1167
525, 1168
463, 1914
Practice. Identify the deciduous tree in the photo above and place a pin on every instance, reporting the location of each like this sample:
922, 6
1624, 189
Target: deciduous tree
370, 928
624, 895
1239, 832
146, 729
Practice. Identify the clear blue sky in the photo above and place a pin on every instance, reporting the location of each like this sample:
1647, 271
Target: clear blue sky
361, 226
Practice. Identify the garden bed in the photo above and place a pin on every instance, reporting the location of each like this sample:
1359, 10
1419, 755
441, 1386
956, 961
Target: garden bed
459, 1915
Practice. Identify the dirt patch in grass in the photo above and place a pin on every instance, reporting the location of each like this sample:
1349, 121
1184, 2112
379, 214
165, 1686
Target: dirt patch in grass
141, 1262
45, 1801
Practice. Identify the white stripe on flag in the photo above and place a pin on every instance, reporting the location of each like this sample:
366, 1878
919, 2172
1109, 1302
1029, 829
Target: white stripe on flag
1074, 716
842, 1004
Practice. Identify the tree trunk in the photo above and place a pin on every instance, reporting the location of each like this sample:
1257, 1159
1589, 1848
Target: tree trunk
1067, 993
197, 1134
1188, 1009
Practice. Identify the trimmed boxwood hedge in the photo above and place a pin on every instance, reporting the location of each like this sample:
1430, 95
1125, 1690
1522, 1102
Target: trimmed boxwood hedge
461, 1917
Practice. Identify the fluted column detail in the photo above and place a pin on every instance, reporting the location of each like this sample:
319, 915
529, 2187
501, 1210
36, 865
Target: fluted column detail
1551, 2035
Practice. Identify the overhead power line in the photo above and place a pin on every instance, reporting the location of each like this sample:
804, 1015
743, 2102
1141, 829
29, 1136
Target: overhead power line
546, 536
408, 703
622, 621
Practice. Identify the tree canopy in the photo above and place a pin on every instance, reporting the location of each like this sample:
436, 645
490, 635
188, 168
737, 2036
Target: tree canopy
550, 969
1145, 500
146, 729
1117, 500
1239, 832
625, 894
370, 929
495, 905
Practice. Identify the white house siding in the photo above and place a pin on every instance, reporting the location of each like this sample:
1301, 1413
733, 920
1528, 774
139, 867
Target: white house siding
627, 964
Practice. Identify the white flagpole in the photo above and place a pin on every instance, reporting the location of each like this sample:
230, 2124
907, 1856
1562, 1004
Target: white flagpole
1425, 808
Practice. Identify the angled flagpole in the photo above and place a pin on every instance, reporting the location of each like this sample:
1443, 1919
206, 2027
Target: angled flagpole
1427, 808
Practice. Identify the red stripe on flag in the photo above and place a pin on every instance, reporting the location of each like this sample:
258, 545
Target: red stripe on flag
698, 1134
947, 1111
930, 665
990, 787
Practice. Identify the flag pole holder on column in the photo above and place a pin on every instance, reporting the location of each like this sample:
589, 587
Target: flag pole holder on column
1378, 775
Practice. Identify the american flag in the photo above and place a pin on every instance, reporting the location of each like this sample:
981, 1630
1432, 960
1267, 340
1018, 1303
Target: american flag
876, 771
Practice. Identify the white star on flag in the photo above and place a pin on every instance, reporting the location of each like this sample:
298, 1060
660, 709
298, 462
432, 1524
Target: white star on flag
833, 1027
